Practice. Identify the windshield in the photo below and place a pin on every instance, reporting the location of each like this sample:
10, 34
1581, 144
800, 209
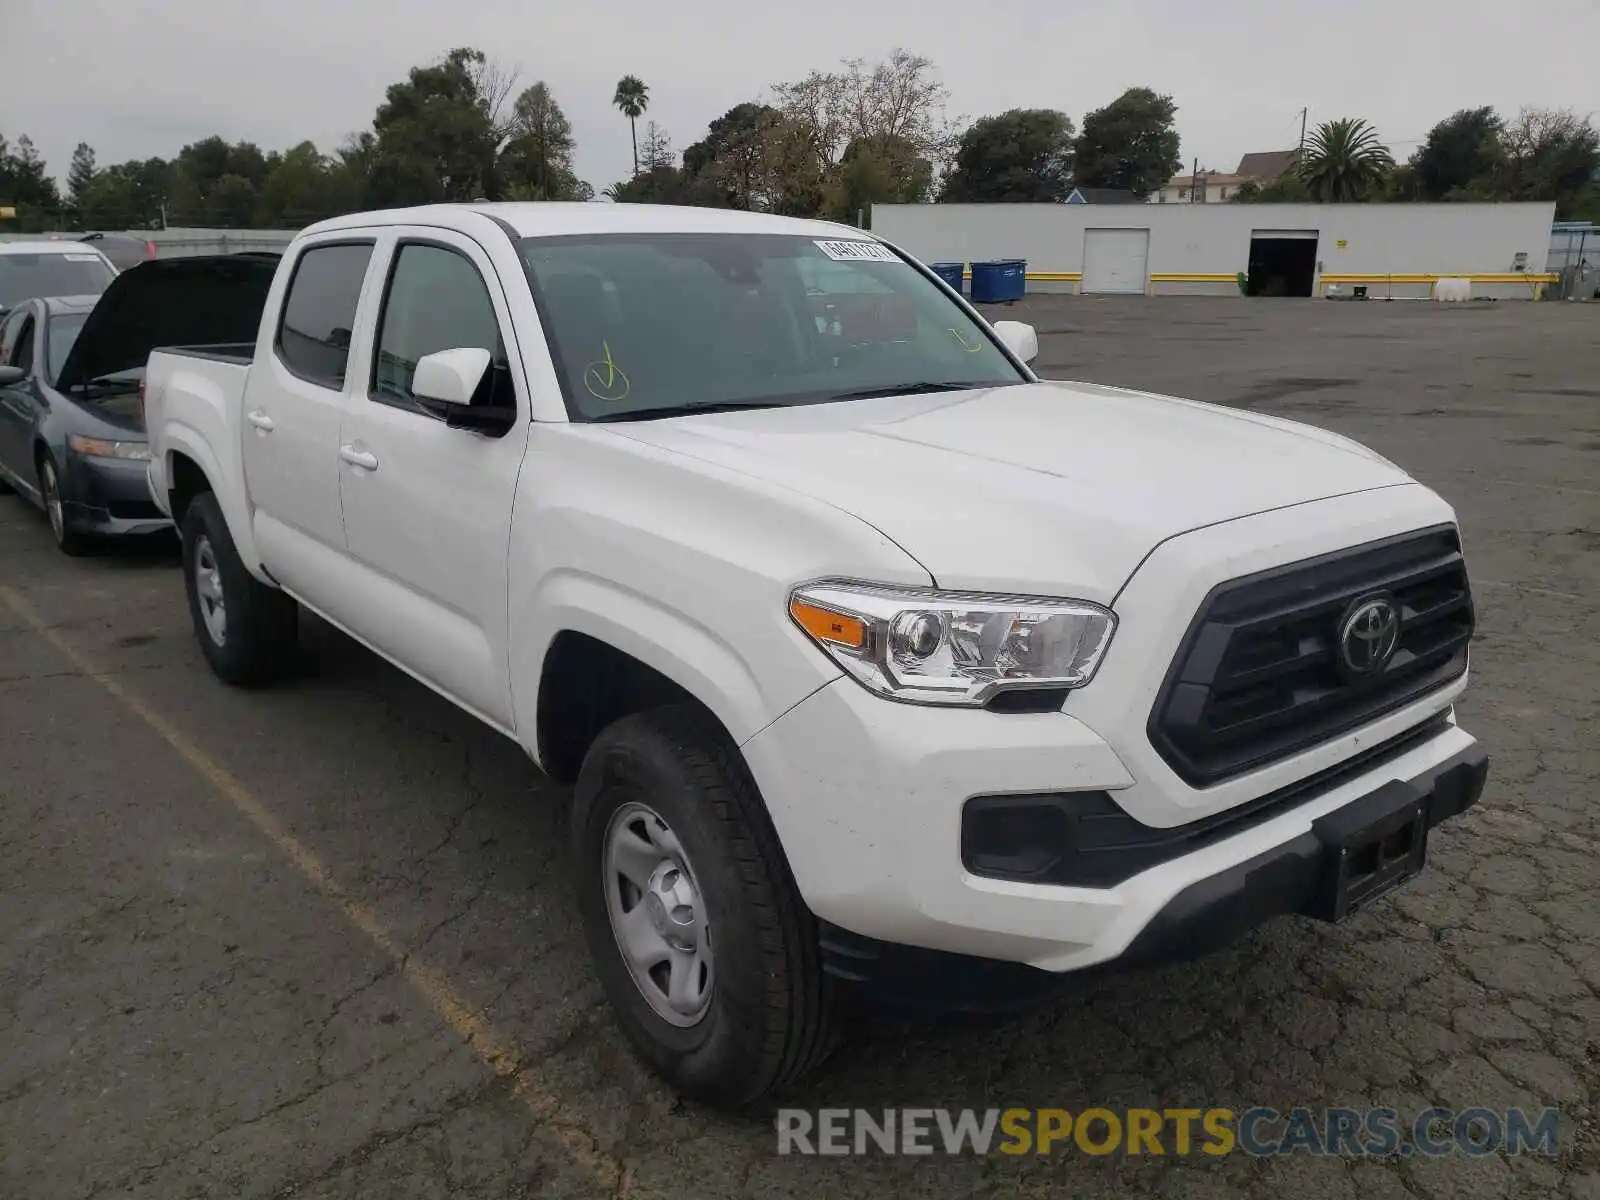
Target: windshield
28, 276
641, 323
64, 328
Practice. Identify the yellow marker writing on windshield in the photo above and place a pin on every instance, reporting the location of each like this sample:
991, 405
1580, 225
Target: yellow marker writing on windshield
965, 345
604, 379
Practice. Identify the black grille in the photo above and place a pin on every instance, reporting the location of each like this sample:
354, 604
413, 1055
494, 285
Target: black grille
1258, 677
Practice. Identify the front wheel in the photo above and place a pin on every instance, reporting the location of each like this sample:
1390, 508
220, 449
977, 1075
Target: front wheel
703, 945
247, 630
67, 540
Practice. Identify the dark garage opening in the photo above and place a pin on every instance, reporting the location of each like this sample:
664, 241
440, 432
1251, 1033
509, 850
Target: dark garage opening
1283, 262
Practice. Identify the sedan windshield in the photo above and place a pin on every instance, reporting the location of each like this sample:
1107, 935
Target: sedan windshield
28, 276
63, 331
662, 324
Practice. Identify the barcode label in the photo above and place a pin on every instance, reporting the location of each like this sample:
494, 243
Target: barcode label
858, 252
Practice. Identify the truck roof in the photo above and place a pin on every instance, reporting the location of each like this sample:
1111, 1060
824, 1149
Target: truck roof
555, 218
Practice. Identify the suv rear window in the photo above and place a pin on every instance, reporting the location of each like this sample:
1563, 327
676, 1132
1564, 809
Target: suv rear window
320, 311
31, 276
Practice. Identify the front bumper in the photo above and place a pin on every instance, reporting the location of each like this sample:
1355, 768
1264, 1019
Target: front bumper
1296, 878
868, 796
109, 497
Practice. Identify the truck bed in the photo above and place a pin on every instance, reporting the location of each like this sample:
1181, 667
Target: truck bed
238, 354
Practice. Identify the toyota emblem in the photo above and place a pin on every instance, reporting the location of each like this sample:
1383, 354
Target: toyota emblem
1369, 635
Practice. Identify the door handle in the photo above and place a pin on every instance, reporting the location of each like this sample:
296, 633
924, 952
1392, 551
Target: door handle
260, 420
358, 458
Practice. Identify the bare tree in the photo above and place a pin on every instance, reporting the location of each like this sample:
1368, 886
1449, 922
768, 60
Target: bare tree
655, 151
494, 83
901, 98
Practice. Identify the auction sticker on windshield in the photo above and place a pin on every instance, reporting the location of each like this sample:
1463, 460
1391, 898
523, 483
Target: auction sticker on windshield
857, 252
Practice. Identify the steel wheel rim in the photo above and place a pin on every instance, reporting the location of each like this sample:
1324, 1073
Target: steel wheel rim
52, 503
657, 915
208, 591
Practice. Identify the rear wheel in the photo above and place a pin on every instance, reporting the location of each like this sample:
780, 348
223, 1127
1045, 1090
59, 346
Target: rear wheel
247, 630
67, 540
701, 940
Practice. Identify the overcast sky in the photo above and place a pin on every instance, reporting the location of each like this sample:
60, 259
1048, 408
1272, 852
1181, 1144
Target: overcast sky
136, 78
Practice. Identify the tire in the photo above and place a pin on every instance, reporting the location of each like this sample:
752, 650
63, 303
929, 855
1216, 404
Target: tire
769, 1014
67, 540
256, 637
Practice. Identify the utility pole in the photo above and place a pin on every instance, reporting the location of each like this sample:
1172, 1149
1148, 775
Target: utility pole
1194, 182
1303, 131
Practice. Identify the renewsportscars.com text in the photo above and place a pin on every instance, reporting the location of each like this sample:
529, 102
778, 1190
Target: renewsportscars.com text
1261, 1132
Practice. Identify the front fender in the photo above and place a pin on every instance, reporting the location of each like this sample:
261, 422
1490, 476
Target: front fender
697, 658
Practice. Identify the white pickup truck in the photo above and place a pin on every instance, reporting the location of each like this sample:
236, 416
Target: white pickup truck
876, 662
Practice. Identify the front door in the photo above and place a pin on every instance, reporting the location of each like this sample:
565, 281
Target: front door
18, 402
427, 508
293, 403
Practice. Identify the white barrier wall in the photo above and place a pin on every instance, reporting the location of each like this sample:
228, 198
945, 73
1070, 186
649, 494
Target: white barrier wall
1398, 249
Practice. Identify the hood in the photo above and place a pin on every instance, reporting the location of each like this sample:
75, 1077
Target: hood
1042, 488
169, 302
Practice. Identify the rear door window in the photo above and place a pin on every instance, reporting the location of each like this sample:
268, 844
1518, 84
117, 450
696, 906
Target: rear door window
319, 312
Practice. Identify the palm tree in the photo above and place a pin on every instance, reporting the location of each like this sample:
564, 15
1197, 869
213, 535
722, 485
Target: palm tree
632, 98
1344, 160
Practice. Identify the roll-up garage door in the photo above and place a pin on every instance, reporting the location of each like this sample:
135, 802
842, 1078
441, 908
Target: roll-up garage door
1115, 261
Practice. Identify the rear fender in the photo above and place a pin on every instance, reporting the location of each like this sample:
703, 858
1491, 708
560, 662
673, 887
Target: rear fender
178, 439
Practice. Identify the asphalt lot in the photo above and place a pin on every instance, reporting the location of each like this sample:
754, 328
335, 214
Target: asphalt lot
317, 941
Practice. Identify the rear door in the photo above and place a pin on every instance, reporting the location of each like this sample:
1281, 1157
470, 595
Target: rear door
294, 401
427, 508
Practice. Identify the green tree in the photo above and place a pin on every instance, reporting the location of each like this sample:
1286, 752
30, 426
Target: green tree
80, 174
305, 186
1460, 150
1288, 188
537, 161
1131, 144
232, 203
127, 195
728, 161
879, 170
434, 136
24, 179
1344, 161
1024, 155
631, 99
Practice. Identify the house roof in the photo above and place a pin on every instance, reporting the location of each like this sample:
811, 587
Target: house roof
1209, 178
1094, 195
1266, 164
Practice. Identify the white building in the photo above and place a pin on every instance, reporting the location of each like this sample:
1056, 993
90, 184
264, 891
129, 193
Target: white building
1397, 250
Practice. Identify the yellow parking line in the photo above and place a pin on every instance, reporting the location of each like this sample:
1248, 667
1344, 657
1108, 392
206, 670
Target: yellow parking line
451, 1007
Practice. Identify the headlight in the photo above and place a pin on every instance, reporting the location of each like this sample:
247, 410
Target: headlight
933, 647
98, 448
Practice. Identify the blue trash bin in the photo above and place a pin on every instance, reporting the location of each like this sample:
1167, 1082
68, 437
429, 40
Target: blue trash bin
951, 273
1000, 280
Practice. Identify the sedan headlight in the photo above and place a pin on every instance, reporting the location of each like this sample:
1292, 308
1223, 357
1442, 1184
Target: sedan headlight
933, 647
99, 448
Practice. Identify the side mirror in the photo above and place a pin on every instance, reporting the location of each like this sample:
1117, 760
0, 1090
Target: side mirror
11, 376
450, 376
1019, 337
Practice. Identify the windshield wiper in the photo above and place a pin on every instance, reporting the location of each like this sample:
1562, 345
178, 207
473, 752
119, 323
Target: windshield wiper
907, 389
683, 410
